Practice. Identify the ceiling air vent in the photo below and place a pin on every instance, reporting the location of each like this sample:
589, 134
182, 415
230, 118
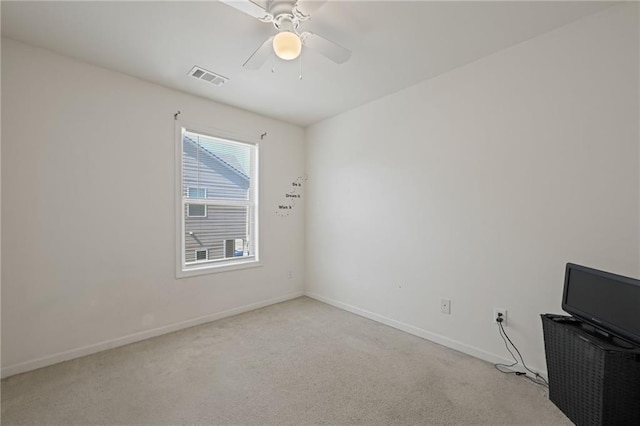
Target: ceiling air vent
208, 76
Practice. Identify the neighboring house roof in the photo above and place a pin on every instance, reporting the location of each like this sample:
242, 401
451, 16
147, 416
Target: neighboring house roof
228, 160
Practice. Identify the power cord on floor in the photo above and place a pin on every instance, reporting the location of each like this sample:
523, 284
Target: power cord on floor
537, 378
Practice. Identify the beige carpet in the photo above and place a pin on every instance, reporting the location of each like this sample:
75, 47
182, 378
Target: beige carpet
298, 362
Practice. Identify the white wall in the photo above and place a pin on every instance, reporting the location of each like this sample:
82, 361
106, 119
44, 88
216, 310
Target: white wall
479, 185
88, 210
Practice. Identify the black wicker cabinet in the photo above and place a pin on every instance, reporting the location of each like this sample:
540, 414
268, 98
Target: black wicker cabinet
591, 380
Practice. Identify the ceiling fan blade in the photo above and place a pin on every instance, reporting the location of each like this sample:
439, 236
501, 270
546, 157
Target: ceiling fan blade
307, 7
331, 50
255, 8
261, 54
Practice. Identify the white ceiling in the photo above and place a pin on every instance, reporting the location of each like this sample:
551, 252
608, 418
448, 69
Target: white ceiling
395, 44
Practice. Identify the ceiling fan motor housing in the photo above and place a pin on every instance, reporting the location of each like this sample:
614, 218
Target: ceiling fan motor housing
283, 7
286, 22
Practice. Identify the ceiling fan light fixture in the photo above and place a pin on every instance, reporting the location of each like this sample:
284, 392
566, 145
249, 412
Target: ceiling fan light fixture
287, 45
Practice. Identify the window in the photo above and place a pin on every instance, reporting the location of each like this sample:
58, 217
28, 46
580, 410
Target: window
196, 192
218, 203
196, 210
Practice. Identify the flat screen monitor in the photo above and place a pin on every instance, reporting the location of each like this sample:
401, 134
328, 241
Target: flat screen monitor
606, 301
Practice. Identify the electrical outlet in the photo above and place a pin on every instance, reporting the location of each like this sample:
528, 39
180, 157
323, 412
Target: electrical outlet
445, 306
497, 311
289, 275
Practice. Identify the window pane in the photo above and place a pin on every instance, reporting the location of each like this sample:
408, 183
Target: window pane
222, 224
196, 210
196, 192
220, 167
218, 201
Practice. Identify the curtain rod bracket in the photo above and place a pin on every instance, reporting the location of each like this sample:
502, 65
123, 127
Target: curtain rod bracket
175, 116
263, 135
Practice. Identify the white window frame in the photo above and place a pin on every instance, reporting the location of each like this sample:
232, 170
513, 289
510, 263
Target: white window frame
202, 267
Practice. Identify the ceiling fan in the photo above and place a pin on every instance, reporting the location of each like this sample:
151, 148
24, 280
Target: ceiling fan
286, 16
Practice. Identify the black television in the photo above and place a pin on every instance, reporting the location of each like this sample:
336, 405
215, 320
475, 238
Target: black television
607, 302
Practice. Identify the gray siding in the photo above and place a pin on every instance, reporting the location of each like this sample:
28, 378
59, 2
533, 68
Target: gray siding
222, 223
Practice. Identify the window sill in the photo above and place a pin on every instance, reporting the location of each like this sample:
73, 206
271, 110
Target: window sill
214, 269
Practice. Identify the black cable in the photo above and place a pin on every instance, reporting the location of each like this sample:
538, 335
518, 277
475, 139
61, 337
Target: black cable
537, 375
497, 366
538, 379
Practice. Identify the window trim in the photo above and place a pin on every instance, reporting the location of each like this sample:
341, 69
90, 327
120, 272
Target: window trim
226, 264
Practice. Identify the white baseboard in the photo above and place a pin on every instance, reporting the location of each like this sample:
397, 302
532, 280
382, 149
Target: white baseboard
136, 337
25, 366
433, 337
